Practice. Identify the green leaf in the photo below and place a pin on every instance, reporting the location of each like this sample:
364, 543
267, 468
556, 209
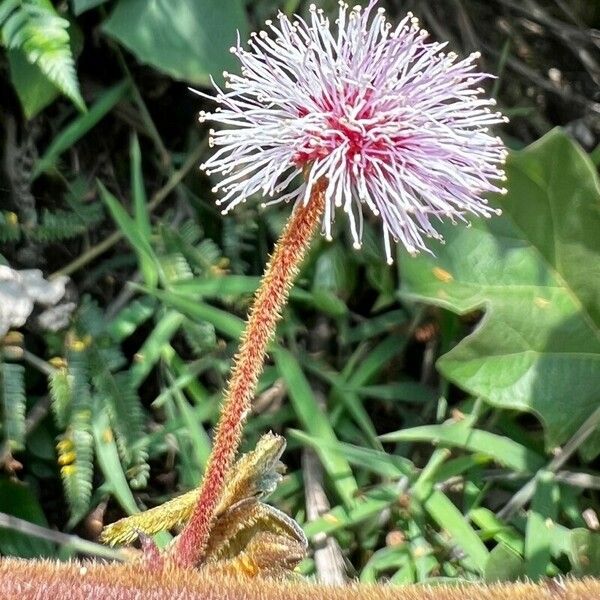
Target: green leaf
442, 510
152, 348
503, 564
137, 232
81, 6
316, 423
218, 287
35, 28
108, 460
585, 552
138, 191
223, 321
130, 318
491, 526
193, 430
382, 561
20, 501
12, 404
334, 272
189, 40
75, 447
376, 461
540, 524
536, 272
502, 449
339, 517
34, 89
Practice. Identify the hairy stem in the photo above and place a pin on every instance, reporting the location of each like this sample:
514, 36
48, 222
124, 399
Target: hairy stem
38, 579
269, 300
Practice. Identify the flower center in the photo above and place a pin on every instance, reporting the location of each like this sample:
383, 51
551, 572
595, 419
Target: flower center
347, 122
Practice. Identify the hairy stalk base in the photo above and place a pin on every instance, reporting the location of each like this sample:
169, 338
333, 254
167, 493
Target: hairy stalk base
269, 300
40, 579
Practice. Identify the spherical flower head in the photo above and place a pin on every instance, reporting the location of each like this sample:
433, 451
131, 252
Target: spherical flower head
393, 124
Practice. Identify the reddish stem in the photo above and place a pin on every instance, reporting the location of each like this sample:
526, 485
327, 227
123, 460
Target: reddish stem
269, 300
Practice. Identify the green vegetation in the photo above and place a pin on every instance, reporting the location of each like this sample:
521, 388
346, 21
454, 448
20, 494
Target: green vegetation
452, 402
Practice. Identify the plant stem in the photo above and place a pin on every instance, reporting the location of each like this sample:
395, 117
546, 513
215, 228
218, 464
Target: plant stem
269, 300
21, 526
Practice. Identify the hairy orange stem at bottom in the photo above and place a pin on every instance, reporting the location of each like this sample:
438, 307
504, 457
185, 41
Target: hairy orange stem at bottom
41, 579
269, 300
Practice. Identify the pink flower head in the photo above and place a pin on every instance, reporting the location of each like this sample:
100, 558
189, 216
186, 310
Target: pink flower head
394, 125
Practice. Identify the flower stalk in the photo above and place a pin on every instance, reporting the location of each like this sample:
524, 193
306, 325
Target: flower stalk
264, 315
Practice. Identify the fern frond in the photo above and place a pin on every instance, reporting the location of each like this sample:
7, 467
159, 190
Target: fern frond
90, 213
126, 413
115, 391
190, 232
9, 227
12, 399
208, 254
175, 267
90, 319
75, 457
238, 238
76, 448
58, 225
202, 256
60, 393
35, 27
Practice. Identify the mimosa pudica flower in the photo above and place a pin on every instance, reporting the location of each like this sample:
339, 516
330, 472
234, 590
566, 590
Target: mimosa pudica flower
395, 125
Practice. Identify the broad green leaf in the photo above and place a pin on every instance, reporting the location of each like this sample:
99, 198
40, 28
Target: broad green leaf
20, 501
188, 40
34, 89
535, 271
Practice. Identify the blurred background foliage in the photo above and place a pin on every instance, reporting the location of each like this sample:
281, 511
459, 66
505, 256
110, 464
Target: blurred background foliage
441, 414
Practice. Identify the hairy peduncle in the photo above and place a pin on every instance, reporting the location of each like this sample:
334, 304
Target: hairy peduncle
248, 364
